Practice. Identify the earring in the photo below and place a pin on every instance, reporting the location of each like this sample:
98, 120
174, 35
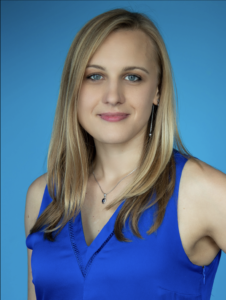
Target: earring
152, 113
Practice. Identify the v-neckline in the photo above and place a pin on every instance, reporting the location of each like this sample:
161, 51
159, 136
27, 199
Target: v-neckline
84, 253
103, 228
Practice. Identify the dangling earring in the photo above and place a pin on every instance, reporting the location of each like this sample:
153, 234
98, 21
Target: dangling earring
152, 113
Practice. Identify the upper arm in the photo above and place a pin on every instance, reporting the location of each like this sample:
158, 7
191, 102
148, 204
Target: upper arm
209, 192
33, 203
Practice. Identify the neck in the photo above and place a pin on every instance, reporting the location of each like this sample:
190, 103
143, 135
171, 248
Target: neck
115, 161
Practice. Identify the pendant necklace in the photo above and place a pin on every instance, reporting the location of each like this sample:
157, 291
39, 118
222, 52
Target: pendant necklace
105, 194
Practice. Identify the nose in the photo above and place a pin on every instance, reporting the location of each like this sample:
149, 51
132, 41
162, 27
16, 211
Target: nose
113, 95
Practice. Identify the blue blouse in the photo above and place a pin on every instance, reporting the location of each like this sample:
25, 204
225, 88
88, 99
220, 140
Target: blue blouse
155, 267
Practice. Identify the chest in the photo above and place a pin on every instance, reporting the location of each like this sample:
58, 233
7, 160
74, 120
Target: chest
200, 250
141, 269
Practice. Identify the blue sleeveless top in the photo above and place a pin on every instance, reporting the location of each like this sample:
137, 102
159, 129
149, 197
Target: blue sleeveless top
155, 267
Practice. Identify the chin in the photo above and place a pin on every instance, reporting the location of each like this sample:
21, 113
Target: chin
112, 139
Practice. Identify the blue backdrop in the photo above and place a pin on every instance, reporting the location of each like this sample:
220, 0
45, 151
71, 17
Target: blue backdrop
36, 36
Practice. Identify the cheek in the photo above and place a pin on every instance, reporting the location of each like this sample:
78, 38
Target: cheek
142, 103
85, 104
144, 112
82, 109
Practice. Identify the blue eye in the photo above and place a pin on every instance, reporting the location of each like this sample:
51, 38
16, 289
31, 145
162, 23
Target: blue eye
93, 76
139, 78
90, 77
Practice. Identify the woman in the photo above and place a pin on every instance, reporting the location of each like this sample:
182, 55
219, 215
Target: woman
122, 214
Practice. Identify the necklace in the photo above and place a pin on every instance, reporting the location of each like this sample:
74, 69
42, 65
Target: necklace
105, 194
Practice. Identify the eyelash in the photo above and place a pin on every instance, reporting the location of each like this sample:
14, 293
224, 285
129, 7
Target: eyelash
139, 78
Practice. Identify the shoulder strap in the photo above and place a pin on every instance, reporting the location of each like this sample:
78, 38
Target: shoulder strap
180, 161
46, 200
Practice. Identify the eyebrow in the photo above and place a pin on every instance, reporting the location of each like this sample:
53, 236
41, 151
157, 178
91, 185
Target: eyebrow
124, 69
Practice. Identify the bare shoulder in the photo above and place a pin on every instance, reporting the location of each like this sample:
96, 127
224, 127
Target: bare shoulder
202, 177
33, 201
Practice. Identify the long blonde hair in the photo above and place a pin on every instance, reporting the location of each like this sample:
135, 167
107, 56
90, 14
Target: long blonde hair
72, 151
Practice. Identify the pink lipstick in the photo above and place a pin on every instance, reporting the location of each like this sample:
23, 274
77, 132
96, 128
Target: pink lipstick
113, 117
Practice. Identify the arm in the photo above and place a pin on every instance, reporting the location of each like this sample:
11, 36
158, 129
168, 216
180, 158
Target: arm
33, 203
209, 191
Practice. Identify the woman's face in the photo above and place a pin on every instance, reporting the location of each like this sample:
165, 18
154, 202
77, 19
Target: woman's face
108, 88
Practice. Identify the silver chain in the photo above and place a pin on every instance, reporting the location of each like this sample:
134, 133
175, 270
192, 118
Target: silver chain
105, 194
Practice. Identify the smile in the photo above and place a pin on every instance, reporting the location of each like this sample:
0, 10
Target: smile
113, 118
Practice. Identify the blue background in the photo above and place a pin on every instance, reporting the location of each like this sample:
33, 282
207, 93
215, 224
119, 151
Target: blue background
36, 36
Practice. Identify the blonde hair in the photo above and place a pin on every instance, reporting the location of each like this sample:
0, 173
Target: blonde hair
72, 151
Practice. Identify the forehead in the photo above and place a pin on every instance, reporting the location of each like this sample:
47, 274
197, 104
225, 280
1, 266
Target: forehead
125, 47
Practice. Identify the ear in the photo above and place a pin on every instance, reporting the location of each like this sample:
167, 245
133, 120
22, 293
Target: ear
156, 98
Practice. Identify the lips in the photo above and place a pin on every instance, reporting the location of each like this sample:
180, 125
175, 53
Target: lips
113, 117
113, 114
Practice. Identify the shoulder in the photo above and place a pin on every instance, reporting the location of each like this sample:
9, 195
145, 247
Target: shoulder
33, 201
203, 192
203, 178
